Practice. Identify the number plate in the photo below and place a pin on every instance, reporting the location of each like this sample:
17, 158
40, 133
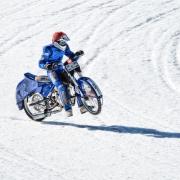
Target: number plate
70, 67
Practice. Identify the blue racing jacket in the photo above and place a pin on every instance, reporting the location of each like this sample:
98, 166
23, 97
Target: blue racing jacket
53, 54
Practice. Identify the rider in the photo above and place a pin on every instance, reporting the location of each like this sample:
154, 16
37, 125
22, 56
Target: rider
53, 54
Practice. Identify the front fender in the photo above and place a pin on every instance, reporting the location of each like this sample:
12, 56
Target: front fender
92, 84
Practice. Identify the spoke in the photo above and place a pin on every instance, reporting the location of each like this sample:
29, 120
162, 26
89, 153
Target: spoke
36, 108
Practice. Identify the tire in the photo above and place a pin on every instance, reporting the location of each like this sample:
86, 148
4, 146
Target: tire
90, 99
39, 116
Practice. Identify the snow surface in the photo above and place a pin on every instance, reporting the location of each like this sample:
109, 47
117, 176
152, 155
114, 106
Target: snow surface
133, 53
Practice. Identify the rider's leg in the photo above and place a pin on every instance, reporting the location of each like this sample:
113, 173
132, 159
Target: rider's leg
62, 90
80, 105
79, 101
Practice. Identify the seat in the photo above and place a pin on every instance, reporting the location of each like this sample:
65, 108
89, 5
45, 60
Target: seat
40, 79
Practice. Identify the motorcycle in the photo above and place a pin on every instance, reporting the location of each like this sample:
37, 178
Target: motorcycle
39, 97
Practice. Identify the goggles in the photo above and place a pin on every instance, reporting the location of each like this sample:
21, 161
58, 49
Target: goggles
63, 40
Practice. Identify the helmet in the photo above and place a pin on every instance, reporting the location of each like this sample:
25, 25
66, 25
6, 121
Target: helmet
60, 37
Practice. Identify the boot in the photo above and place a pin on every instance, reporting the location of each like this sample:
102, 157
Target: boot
83, 110
69, 113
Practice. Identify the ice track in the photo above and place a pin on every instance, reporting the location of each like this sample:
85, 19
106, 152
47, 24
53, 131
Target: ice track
133, 53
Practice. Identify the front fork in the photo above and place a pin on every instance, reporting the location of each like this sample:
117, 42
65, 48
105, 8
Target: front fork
77, 89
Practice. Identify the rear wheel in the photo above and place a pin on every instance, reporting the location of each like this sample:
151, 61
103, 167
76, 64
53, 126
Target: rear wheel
90, 100
33, 109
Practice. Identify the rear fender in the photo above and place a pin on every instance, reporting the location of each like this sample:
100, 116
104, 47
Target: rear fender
25, 88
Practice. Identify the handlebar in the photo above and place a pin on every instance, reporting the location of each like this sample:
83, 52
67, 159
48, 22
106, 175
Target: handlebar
69, 65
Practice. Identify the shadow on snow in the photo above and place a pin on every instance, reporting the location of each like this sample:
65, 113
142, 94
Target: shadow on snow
120, 129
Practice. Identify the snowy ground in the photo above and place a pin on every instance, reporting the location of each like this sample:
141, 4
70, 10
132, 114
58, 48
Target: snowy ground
133, 53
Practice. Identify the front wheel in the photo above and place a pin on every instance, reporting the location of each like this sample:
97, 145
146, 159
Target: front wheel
90, 99
34, 109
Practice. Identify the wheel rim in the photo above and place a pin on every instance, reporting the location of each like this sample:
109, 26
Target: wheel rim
35, 110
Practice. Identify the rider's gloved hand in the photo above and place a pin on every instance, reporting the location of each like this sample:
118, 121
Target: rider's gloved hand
79, 53
51, 66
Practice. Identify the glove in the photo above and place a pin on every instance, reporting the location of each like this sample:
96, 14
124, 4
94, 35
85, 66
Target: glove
79, 53
50, 66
